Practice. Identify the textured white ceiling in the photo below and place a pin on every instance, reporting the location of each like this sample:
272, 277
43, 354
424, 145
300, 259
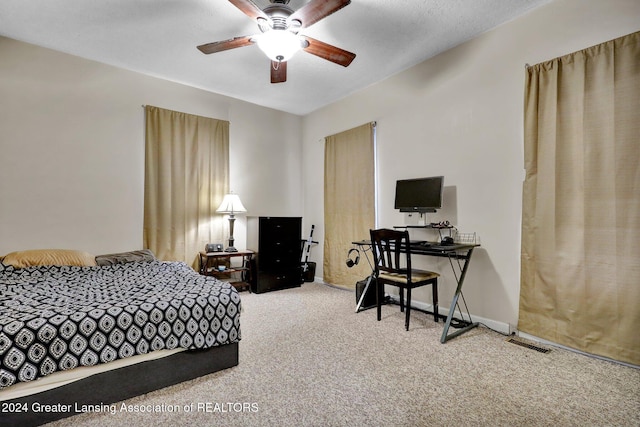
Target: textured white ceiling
159, 38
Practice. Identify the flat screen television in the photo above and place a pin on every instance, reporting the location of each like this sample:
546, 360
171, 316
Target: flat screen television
419, 194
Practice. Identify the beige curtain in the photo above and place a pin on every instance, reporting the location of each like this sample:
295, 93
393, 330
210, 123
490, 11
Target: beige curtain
580, 283
349, 201
186, 177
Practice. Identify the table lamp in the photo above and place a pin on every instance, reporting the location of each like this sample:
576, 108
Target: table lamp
231, 205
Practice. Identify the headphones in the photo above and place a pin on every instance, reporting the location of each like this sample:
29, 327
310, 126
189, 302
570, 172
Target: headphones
353, 261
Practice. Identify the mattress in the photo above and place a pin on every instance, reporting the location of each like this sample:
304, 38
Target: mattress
59, 318
62, 378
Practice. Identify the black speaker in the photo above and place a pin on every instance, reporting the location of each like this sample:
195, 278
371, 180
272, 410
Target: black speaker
369, 300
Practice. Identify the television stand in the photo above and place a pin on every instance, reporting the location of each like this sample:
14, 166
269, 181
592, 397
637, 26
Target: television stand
437, 226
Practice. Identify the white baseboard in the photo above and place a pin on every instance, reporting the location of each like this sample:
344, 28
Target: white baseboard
554, 344
497, 326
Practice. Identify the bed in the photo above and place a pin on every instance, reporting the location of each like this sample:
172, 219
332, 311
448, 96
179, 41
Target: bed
119, 325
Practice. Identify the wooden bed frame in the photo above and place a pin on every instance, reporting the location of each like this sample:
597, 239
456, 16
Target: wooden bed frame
121, 384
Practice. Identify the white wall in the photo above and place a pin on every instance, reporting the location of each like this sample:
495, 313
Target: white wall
72, 151
460, 115
72, 145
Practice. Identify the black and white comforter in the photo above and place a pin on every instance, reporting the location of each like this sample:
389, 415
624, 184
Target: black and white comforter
58, 318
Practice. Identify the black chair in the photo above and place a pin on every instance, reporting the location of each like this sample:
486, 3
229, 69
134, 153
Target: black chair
392, 261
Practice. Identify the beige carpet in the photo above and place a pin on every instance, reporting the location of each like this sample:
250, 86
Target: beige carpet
306, 359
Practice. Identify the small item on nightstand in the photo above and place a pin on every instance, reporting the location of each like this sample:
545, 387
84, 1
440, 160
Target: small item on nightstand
213, 247
222, 267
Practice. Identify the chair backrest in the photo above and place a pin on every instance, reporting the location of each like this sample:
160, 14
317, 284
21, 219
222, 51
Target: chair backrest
391, 251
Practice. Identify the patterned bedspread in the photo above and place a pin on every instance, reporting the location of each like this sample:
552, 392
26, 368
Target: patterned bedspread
58, 318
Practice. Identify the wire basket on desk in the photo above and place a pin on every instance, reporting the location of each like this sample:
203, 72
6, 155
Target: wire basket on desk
466, 238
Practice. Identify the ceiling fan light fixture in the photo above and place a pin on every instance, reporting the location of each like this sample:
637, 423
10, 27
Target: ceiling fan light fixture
279, 45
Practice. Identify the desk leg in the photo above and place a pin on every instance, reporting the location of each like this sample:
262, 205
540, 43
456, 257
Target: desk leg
364, 292
445, 337
454, 302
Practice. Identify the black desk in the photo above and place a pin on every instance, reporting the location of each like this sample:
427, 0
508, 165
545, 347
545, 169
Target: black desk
458, 254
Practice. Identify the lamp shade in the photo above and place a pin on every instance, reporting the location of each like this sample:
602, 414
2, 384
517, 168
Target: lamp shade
279, 45
231, 204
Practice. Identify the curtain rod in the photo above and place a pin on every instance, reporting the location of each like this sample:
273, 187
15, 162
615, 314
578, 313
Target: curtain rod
373, 123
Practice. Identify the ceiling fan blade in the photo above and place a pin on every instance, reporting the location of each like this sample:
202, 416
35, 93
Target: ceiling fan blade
249, 8
225, 44
328, 52
278, 72
316, 10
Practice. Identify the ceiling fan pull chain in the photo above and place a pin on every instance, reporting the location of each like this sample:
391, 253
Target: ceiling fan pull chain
276, 65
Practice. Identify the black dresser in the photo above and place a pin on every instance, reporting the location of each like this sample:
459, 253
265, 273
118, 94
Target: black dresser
277, 242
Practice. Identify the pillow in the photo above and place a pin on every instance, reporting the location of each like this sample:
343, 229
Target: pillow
22, 259
144, 255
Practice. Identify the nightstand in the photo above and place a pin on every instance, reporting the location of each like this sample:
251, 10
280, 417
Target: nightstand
237, 267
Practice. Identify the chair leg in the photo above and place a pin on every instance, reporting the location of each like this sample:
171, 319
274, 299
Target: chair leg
406, 322
434, 291
401, 290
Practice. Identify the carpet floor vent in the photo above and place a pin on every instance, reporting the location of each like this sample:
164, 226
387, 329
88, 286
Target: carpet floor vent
528, 345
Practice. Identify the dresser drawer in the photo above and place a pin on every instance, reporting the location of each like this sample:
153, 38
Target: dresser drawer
279, 260
271, 281
280, 229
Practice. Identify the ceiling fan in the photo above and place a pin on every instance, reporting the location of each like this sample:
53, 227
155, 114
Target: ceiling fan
278, 38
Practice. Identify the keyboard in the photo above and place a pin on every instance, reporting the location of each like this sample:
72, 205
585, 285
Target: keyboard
420, 244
